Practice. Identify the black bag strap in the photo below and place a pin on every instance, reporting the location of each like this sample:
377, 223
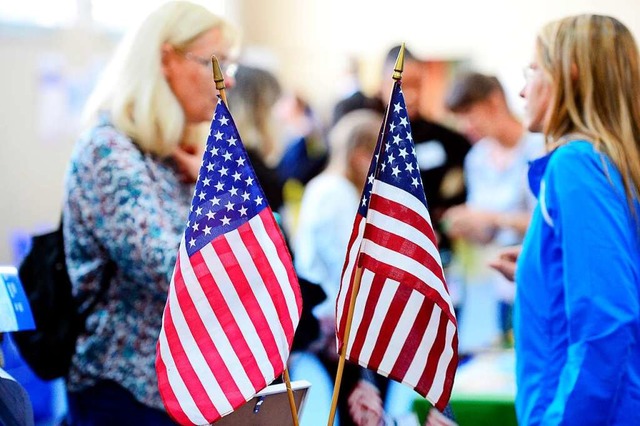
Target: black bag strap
105, 281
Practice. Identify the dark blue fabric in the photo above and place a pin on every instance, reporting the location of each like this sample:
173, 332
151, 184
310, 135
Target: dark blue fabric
107, 404
44, 395
301, 163
15, 407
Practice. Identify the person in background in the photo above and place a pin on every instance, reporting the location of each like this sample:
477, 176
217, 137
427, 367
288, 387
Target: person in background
354, 96
252, 102
305, 154
577, 306
440, 150
328, 209
128, 191
499, 203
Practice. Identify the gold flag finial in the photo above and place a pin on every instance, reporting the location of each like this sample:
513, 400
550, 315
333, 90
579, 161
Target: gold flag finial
399, 66
218, 78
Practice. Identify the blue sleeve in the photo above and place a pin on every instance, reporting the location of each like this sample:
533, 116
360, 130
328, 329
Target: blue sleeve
592, 224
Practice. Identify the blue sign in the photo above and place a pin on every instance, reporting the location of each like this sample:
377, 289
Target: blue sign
15, 312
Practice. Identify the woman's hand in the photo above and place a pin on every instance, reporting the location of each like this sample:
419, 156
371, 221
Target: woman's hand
189, 160
505, 263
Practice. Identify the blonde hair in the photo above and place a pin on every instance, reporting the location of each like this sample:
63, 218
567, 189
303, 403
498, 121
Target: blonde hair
593, 63
133, 89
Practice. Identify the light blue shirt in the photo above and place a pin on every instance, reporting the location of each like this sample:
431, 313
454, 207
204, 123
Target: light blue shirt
497, 179
577, 309
327, 213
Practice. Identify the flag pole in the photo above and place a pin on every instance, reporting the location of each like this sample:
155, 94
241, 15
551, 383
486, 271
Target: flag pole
397, 75
292, 401
218, 79
343, 350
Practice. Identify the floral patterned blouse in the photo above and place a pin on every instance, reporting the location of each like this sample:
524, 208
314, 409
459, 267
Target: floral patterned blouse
130, 207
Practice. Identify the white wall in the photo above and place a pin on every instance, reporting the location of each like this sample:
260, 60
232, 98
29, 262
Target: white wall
33, 150
313, 38
309, 42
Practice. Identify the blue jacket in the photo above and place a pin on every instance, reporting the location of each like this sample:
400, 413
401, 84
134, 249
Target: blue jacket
577, 309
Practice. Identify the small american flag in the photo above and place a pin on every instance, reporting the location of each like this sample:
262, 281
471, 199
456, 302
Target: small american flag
403, 326
234, 302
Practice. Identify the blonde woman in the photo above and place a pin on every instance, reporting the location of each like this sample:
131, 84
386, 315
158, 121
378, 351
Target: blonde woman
577, 312
128, 192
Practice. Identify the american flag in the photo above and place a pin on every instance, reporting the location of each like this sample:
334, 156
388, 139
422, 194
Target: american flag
403, 325
234, 302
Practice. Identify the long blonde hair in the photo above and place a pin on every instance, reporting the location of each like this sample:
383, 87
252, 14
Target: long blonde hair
593, 62
133, 89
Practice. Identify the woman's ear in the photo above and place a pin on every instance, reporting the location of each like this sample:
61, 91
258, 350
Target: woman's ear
167, 53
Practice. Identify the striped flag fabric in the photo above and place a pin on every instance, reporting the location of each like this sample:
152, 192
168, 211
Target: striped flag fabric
234, 302
403, 325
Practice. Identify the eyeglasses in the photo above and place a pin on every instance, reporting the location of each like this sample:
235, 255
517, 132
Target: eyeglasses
228, 68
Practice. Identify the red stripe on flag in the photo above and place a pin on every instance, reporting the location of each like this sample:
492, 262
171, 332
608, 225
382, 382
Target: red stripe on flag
251, 304
409, 280
405, 247
198, 329
169, 398
362, 329
392, 317
403, 214
448, 380
227, 319
185, 370
428, 375
276, 236
410, 347
354, 239
272, 287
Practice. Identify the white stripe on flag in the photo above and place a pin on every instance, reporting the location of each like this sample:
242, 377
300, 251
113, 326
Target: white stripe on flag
194, 354
443, 364
401, 332
346, 279
401, 197
183, 397
419, 361
257, 225
242, 318
261, 293
208, 317
406, 263
379, 314
404, 230
358, 310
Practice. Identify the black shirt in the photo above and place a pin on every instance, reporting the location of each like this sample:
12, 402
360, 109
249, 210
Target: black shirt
440, 152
